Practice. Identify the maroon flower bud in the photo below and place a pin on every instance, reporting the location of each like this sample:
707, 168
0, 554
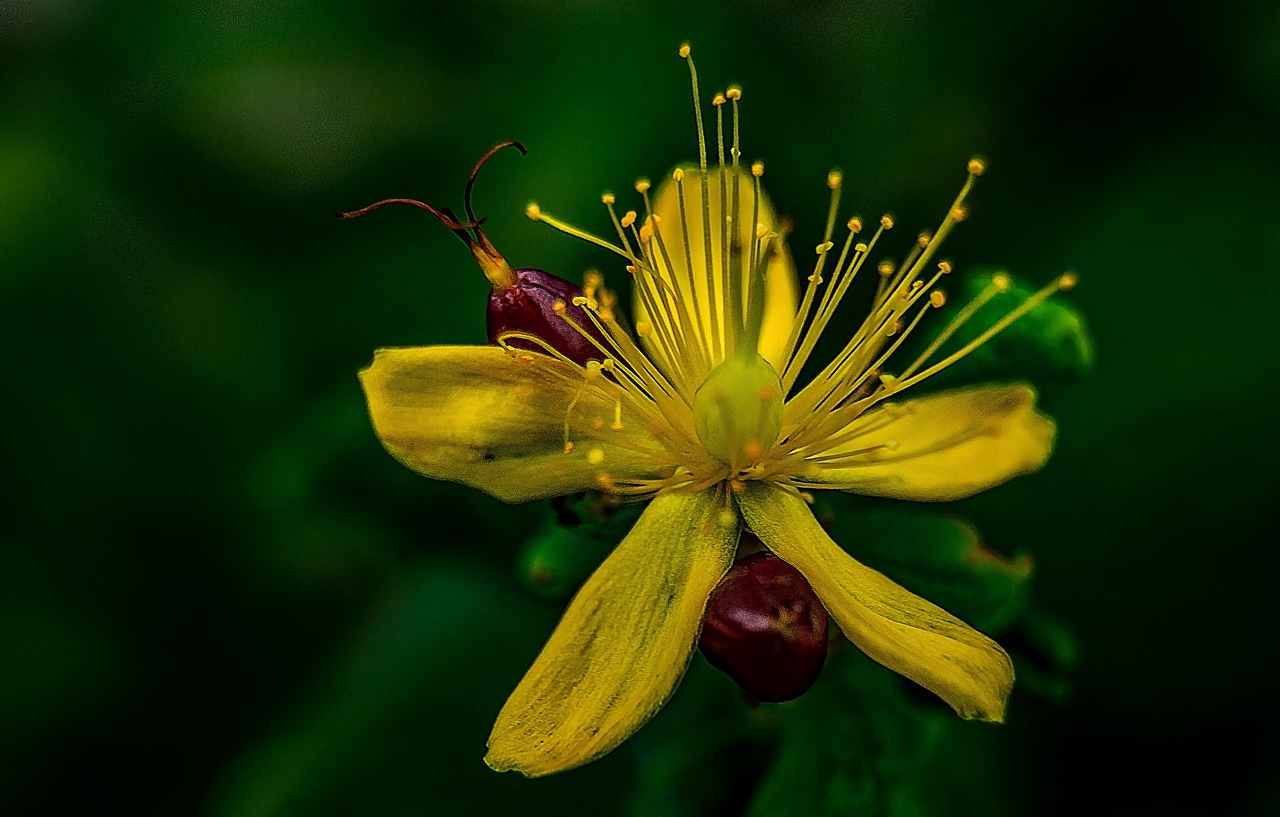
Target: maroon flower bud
765, 628
531, 301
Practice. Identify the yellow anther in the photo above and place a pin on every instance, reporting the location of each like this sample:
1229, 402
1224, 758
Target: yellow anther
646, 234
977, 166
642, 185
631, 268
855, 225
558, 307
959, 212
595, 456
886, 221
605, 482
823, 247
757, 169
616, 425
581, 301
834, 178
761, 230
593, 369
734, 92
629, 218
684, 50
885, 268
944, 267
607, 198
533, 211
888, 381
924, 238
860, 247
1068, 280
568, 446
1001, 282
678, 174
592, 279
608, 364
807, 497
937, 298
717, 100
644, 329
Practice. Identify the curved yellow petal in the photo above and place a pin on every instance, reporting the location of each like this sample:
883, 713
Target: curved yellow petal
781, 285
892, 625
623, 643
941, 447
479, 416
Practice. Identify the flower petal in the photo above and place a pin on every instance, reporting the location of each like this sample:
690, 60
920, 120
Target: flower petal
895, 627
781, 286
480, 416
623, 643
941, 447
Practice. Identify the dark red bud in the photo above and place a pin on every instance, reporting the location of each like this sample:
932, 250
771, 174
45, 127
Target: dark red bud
529, 305
765, 628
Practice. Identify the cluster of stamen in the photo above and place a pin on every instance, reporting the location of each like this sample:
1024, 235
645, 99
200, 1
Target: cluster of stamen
692, 323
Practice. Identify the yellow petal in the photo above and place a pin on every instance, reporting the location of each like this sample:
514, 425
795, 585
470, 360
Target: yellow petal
781, 286
477, 415
892, 625
624, 642
944, 446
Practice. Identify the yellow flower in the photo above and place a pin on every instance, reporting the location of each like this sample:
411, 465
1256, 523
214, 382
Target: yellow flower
703, 412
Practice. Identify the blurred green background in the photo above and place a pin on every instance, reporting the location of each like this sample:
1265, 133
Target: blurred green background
218, 595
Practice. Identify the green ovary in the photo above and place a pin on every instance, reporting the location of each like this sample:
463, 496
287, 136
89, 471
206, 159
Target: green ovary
737, 411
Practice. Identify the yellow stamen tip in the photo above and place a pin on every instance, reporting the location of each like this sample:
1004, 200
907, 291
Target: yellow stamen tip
642, 185
629, 218
592, 279
937, 298
959, 212
1068, 281
834, 178
885, 268
631, 268
823, 247
860, 247
607, 198
977, 166
1001, 282
678, 174
944, 267
646, 233
644, 329
924, 238
684, 50
757, 169
762, 230
886, 221
734, 92
558, 307
593, 369
533, 211
854, 225
595, 456
718, 100
568, 446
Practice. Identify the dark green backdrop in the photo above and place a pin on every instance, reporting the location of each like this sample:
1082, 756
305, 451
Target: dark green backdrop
219, 596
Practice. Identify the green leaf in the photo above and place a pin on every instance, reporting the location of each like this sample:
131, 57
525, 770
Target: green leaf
561, 553
1049, 342
938, 557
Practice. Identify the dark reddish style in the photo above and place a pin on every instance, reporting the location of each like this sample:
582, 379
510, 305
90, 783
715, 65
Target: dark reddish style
765, 628
522, 300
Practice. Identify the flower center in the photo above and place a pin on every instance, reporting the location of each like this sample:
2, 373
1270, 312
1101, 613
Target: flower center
737, 411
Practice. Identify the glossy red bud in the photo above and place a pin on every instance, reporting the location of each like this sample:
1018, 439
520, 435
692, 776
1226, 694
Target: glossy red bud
765, 628
529, 305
